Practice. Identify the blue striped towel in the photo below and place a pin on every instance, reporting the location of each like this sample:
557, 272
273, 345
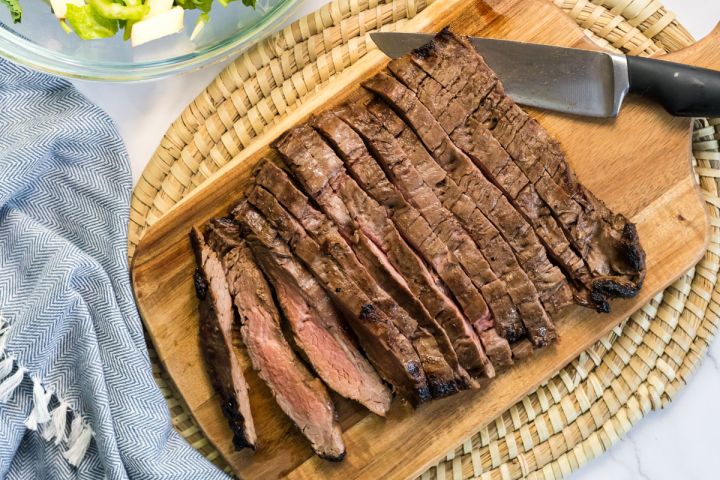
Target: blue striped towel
77, 395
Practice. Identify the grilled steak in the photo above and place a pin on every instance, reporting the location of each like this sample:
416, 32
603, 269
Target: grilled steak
433, 218
548, 279
497, 251
390, 352
607, 243
298, 393
316, 326
395, 161
489, 199
440, 376
216, 320
383, 205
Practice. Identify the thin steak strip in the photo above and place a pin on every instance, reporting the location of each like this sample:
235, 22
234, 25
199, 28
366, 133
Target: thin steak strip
298, 393
607, 242
440, 376
499, 254
390, 352
216, 321
392, 158
316, 326
380, 213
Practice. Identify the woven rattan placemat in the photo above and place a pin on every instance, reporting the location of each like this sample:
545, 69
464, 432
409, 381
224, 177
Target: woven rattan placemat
592, 402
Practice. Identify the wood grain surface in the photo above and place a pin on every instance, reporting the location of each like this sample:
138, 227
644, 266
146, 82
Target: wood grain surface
639, 164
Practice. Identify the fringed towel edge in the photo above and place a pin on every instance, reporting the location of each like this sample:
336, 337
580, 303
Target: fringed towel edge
54, 423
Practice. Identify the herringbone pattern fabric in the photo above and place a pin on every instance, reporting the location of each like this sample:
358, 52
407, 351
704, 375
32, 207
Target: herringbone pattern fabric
74, 370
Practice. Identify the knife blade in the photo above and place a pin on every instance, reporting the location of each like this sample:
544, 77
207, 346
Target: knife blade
581, 82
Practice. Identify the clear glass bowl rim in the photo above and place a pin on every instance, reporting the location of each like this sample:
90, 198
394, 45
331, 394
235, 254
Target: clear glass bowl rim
25, 52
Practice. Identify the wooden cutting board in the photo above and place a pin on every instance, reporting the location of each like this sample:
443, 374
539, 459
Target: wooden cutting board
639, 164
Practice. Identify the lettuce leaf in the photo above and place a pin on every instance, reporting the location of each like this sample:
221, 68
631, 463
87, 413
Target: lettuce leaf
88, 24
117, 11
15, 9
202, 5
206, 5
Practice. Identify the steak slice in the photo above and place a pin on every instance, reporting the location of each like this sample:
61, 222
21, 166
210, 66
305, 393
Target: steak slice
606, 242
420, 234
316, 325
298, 393
377, 204
390, 352
216, 321
440, 375
499, 254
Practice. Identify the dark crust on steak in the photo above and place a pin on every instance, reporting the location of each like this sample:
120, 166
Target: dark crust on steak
216, 319
388, 350
388, 213
440, 376
611, 253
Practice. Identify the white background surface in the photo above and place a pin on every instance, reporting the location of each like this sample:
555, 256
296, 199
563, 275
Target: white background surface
681, 442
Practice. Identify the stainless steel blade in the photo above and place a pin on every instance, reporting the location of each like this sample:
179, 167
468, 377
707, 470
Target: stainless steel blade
568, 80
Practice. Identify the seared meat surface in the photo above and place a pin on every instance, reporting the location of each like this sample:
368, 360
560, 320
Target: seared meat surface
424, 234
216, 323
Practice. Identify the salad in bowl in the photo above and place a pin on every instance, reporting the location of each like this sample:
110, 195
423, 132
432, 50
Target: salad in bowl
139, 21
50, 35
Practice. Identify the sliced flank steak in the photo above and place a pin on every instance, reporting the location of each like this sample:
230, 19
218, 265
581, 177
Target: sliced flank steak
216, 322
316, 325
607, 242
388, 153
390, 352
497, 251
550, 282
440, 375
384, 214
530, 253
299, 394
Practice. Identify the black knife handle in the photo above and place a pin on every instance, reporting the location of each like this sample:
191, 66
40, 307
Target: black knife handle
683, 90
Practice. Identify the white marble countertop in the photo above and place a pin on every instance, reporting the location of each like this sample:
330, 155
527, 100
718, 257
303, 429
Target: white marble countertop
680, 442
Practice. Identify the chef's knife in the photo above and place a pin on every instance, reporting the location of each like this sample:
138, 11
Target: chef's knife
582, 82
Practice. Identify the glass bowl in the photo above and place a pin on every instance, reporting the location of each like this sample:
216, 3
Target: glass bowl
40, 43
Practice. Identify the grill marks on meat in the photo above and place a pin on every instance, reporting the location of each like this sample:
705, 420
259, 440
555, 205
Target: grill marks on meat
607, 243
386, 214
517, 232
316, 326
440, 376
548, 279
433, 218
216, 321
390, 352
497, 251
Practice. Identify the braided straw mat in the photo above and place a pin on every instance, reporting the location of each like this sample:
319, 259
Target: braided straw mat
592, 402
